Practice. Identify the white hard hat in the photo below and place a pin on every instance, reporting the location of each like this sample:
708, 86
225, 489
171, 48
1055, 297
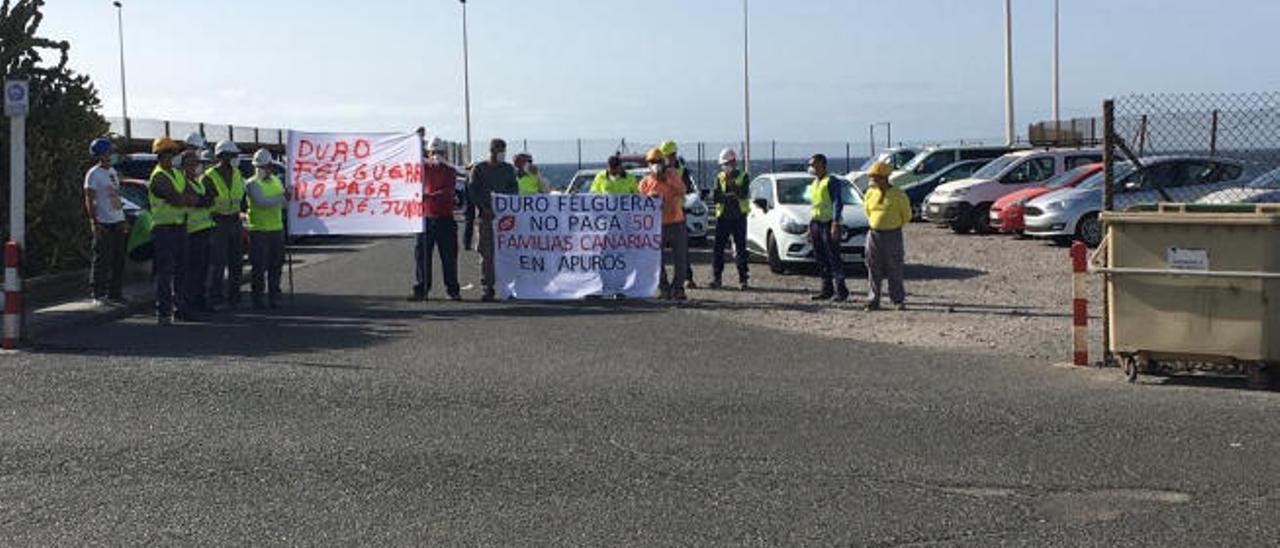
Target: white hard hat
728, 155
436, 144
206, 156
262, 158
195, 140
226, 147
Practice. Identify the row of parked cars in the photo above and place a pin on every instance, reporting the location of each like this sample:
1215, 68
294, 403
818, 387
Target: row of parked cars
1045, 193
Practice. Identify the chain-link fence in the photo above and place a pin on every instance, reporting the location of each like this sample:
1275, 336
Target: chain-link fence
1209, 149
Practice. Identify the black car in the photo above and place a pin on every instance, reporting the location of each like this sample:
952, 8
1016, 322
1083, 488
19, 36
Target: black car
921, 189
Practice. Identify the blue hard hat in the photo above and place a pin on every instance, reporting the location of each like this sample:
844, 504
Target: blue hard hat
99, 146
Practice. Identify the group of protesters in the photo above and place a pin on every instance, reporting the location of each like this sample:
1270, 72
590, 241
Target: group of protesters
887, 209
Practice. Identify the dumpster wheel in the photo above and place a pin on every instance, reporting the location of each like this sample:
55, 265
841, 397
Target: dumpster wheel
1129, 364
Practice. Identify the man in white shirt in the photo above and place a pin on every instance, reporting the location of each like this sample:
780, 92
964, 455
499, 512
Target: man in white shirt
107, 222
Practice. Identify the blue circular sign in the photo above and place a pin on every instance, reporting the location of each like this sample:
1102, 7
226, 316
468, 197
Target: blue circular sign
16, 92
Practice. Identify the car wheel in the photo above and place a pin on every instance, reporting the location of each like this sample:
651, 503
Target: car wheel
775, 262
961, 226
917, 213
1089, 230
982, 219
1063, 241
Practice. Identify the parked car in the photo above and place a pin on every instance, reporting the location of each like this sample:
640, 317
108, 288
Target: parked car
935, 159
1263, 186
697, 216
1072, 213
920, 190
779, 221
895, 157
1007, 212
965, 205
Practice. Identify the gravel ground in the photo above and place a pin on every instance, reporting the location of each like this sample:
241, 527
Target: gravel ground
992, 294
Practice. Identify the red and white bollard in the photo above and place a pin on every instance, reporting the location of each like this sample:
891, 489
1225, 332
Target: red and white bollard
12, 296
1080, 303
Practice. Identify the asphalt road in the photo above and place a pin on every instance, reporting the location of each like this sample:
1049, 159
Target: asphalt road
355, 418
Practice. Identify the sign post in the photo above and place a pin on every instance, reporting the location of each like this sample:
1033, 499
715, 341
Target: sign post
17, 103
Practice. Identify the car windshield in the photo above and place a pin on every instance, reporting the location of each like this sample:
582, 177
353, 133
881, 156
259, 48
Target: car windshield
1066, 177
882, 157
991, 170
1268, 181
795, 191
1094, 181
580, 184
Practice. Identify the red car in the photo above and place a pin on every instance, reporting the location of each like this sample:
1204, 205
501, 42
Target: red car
1007, 212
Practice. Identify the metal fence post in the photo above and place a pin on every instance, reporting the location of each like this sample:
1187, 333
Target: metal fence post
1108, 201
231, 133
773, 156
128, 130
579, 154
166, 129
848, 157
1213, 135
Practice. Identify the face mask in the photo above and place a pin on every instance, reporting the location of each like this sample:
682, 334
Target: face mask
175, 162
655, 169
114, 159
813, 171
262, 172
500, 157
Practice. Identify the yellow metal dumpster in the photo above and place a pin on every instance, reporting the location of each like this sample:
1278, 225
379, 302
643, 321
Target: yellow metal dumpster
1200, 286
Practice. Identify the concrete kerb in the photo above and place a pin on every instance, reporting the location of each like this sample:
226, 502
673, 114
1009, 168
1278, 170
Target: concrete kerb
139, 297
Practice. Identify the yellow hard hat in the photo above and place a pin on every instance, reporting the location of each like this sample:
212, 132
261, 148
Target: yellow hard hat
164, 144
654, 155
668, 148
880, 169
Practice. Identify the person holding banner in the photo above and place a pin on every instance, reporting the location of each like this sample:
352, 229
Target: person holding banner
665, 182
614, 179
733, 204
267, 199
439, 229
494, 176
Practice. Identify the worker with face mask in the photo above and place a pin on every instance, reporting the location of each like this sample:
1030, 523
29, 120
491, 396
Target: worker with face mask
527, 179
664, 181
614, 179
268, 197
826, 196
169, 198
107, 224
671, 151
733, 202
199, 234
439, 229
226, 248
494, 176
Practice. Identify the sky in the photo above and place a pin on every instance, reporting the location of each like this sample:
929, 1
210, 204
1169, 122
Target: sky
821, 70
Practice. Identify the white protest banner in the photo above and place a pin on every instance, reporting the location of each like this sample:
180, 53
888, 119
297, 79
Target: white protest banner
355, 184
571, 246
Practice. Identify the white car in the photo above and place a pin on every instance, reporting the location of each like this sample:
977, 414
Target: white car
779, 221
895, 157
696, 214
1259, 189
965, 205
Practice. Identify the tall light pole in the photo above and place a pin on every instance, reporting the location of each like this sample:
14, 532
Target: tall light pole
466, 83
1056, 81
1009, 134
124, 90
746, 84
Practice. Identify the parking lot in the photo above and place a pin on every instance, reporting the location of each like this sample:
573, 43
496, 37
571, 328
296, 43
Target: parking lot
967, 293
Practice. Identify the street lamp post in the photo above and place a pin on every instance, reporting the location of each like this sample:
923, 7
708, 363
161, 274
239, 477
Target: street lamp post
466, 83
124, 90
1056, 80
1009, 134
746, 84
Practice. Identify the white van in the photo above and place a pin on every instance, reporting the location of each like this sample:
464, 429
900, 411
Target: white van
965, 205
